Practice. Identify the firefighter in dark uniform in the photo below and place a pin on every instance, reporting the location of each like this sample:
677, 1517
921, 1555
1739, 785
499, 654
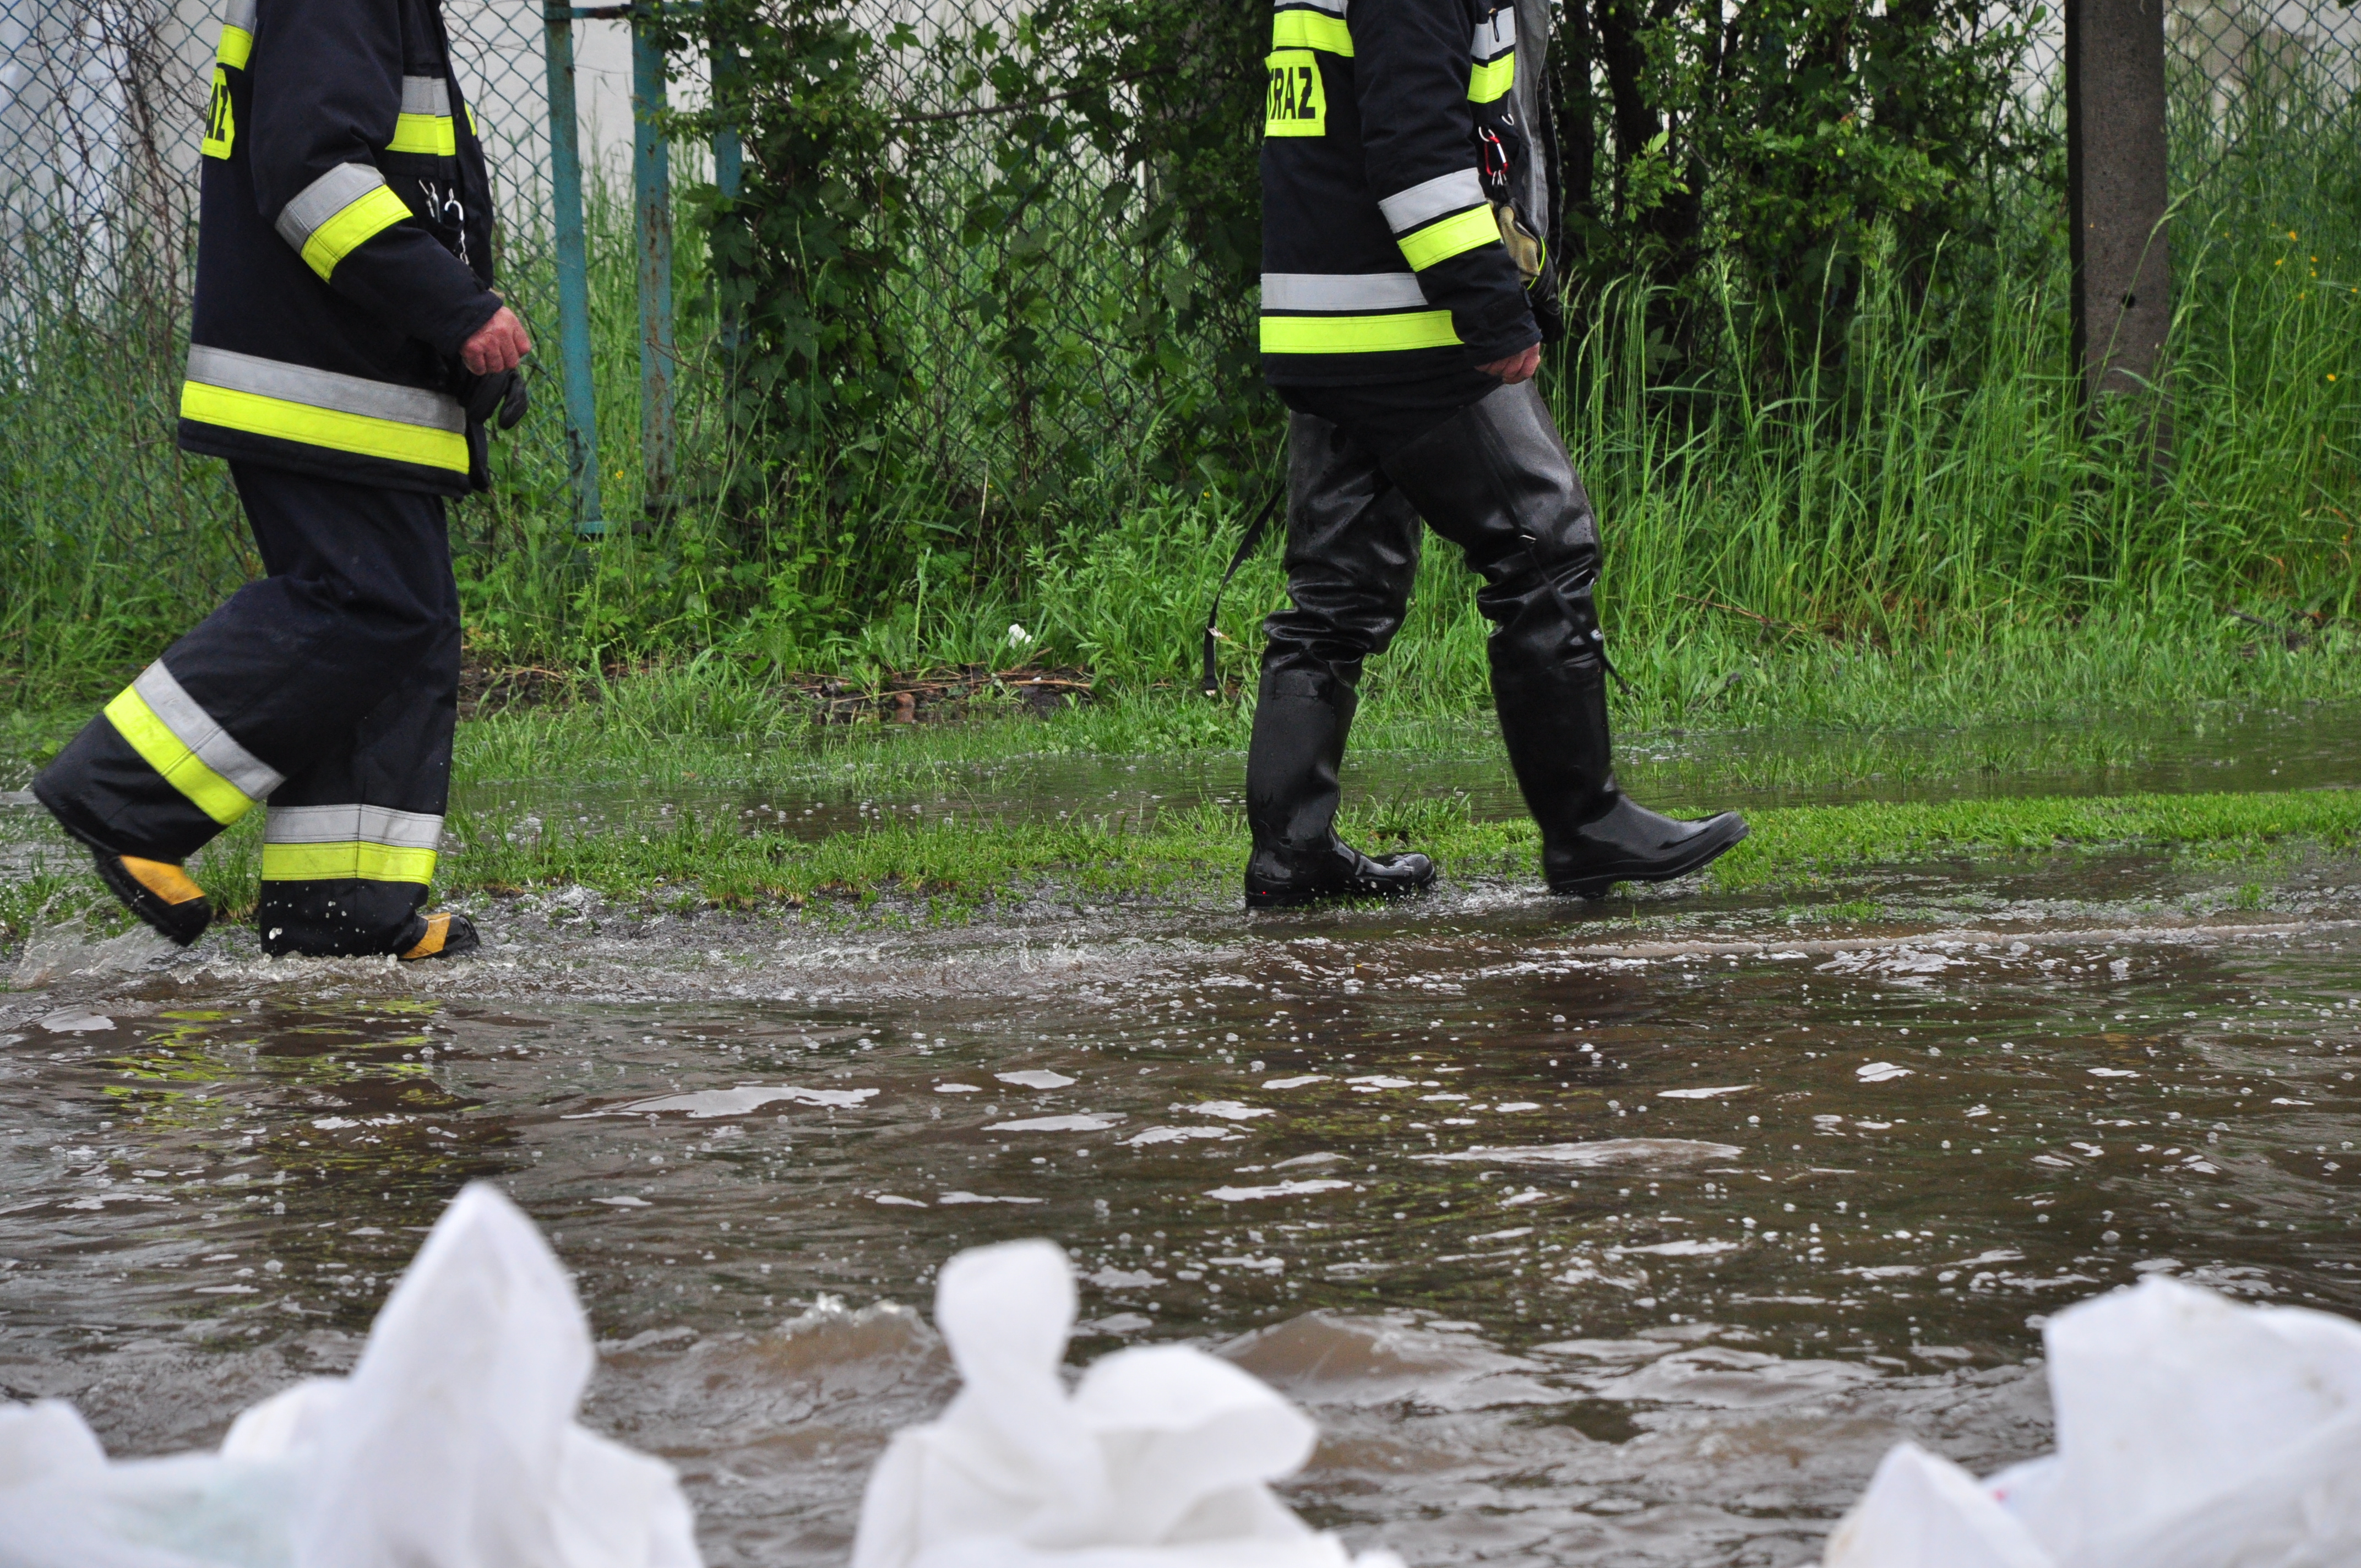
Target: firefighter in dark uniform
347, 351
1402, 198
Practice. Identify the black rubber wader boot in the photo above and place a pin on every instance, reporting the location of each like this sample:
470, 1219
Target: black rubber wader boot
1291, 797
1352, 552
1496, 481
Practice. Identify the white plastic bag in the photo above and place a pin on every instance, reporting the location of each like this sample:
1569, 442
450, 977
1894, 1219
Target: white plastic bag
1160, 1458
2192, 1432
452, 1445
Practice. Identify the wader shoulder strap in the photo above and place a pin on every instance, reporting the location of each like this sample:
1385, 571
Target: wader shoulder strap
1211, 684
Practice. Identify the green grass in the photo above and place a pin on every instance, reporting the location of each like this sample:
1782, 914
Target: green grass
1929, 711
961, 863
1871, 536
957, 867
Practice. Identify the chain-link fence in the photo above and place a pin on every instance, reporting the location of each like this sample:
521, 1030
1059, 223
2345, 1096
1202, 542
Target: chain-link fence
100, 107
1017, 296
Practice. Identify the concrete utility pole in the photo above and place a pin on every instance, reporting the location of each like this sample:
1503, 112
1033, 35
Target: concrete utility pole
2115, 189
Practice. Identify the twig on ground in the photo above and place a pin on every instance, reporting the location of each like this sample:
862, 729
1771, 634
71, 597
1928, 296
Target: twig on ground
1788, 626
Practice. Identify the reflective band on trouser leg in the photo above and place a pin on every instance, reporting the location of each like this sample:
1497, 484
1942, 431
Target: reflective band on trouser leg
1310, 29
337, 213
349, 843
1492, 79
424, 125
322, 408
184, 744
1358, 335
1453, 235
354, 860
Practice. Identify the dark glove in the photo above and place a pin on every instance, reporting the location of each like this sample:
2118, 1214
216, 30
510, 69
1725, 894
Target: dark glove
490, 400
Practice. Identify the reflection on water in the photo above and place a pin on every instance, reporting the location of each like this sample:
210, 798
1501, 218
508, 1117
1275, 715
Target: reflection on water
1590, 1237
2263, 749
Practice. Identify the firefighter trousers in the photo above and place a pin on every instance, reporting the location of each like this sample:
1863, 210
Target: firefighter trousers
328, 689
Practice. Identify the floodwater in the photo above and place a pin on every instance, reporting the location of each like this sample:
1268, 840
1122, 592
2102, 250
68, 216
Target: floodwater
2265, 749
1618, 1235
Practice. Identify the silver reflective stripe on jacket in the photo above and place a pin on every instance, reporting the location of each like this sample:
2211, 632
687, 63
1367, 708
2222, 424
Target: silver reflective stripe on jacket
346, 823
1495, 34
193, 727
323, 199
238, 13
426, 96
326, 390
1341, 291
1333, 7
1431, 198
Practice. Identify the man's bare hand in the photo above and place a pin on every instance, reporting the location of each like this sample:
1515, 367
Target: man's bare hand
501, 343
1516, 367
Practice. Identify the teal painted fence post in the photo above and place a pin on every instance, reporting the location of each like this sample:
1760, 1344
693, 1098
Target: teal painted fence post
729, 165
573, 276
652, 192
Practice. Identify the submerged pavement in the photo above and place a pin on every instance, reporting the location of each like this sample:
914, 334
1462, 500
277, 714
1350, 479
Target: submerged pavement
1623, 1235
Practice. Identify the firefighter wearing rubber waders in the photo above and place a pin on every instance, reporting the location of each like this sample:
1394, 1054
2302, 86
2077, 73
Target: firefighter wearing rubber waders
1403, 201
346, 352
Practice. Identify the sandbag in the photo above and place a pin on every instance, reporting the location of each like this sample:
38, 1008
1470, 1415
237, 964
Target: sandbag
2192, 1432
452, 1445
1161, 1457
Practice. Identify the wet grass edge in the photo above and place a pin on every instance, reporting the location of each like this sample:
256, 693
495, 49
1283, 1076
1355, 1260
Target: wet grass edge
962, 869
959, 865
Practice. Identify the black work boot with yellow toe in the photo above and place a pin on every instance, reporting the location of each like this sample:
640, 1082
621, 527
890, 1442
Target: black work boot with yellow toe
159, 893
442, 935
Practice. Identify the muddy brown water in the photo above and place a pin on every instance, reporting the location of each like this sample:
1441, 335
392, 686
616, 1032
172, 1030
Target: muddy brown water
1616, 1235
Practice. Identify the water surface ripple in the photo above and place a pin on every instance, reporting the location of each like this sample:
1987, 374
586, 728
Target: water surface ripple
1629, 1236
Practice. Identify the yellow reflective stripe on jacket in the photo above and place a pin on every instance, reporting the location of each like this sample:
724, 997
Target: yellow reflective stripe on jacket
1450, 236
431, 134
331, 428
353, 226
236, 45
1358, 335
424, 125
174, 734
1310, 29
325, 408
1492, 79
337, 213
355, 860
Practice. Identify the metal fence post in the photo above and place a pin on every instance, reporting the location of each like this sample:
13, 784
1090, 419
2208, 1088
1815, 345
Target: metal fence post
728, 163
573, 276
651, 188
2116, 194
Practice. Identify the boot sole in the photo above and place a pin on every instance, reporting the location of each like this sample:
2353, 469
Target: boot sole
178, 922
1694, 860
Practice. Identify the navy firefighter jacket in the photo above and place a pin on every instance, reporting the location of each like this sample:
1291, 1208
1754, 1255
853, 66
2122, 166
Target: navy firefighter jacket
1391, 154
342, 247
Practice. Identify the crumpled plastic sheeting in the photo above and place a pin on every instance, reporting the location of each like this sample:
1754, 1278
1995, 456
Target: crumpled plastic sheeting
1159, 1458
2192, 1432
452, 1445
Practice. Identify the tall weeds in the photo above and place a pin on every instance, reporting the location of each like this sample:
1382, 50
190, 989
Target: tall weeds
1925, 484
